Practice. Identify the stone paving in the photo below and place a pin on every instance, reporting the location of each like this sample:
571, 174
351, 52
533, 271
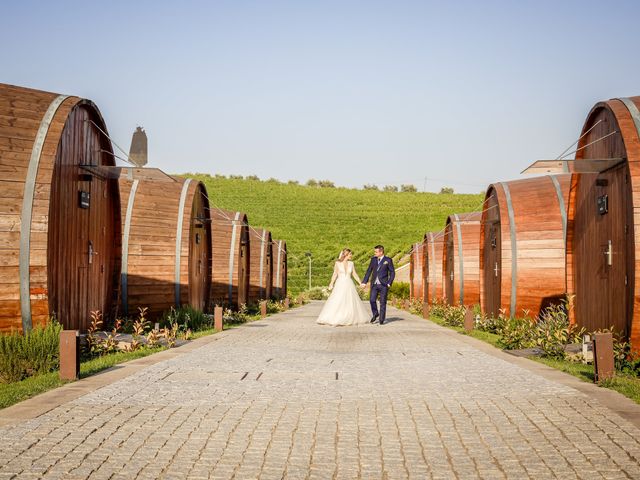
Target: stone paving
286, 398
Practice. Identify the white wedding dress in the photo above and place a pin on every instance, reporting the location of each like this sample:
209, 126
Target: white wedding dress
344, 306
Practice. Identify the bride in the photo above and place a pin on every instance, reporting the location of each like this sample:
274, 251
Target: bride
344, 306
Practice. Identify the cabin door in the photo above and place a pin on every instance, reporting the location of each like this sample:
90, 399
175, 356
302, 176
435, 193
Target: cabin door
243, 274
492, 264
613, 232
450, 269
199, 260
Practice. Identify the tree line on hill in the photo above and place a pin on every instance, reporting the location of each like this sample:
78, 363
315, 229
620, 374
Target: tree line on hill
329, 184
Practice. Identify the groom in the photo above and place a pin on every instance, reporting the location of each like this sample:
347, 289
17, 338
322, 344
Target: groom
382, 274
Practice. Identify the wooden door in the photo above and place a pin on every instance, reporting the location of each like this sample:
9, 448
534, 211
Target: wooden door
425, 272
492, 257
604, 225
199, 252
449, 266
243, 262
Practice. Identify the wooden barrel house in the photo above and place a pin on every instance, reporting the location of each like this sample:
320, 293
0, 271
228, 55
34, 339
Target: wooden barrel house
432, 267
461, 259
603, 252
166, 245
522, 245
59, 221
416, 271
261, 269
279, 290
230, 257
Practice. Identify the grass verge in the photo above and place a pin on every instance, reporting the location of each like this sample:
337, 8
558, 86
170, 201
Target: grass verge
490, 338
626, 385
11, 393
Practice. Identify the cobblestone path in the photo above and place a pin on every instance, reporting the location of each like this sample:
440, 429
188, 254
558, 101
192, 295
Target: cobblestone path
286, 398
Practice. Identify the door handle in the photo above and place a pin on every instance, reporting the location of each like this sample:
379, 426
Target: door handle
495, 269
609, 254
92, 252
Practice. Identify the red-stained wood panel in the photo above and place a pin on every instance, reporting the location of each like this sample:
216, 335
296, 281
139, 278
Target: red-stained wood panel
433, 277
461, 261
602, 251
63, 279
416, 271
535, 278
279, 290
261, 265
153, 277
230, 258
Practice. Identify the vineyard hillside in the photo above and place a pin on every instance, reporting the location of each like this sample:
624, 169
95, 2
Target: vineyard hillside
324, 220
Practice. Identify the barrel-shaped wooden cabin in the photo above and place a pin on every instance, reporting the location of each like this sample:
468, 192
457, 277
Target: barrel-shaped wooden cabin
603, 251
230, 257
461, 259
279, 289
416, 271
432, 267
261, 261
166, 245
522, 245
59, 222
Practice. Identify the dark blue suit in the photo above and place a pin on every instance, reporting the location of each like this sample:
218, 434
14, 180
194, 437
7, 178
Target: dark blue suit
382, 274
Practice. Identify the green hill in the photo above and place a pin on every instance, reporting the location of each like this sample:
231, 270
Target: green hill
324, 220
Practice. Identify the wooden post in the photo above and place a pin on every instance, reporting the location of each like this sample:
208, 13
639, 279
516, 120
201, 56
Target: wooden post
287, 301
603, 364
263, 308
425, 310
218, 323
69, 354
407, 304
469, 321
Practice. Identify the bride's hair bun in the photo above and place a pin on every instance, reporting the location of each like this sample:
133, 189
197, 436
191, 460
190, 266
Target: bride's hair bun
343, 254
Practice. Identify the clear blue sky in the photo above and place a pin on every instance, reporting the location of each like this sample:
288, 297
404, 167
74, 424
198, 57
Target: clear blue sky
356, 92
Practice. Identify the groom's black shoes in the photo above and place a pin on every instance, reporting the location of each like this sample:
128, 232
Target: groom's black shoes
381, 322
374, 318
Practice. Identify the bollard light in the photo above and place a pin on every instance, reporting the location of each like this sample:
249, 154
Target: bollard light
69, 354
287, 302
218, 322
425, 310
263, 308
603, 364
469, 320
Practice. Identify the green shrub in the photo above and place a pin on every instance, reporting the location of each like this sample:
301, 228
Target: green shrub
489, 324
553, 331
188, 318
516, 333
438, 309
34, 353
454, 316
415, 306
399, 290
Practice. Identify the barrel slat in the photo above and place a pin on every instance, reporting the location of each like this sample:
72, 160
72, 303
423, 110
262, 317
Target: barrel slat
230, 258
461, 260
261, 269
531, 216
169, 271
606, 288
43, 139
